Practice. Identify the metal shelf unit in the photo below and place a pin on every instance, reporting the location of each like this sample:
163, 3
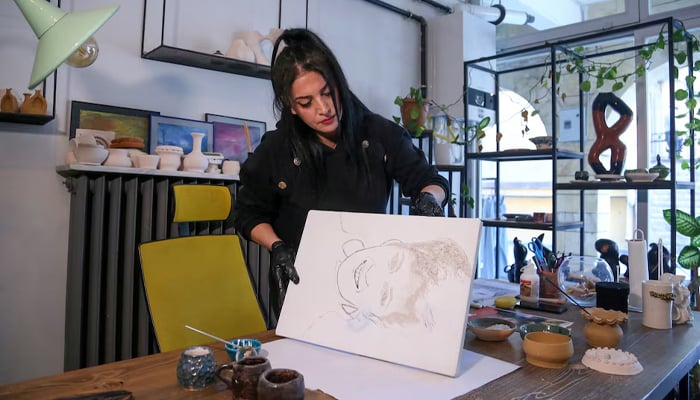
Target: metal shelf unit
492, 70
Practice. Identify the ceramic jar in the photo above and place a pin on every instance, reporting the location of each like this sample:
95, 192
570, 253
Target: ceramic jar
118, 158
603, 327
170, 157
9, 103
195, 161
660, 169
196, 368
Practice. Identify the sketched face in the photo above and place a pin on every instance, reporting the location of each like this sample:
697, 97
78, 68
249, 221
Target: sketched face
379, 280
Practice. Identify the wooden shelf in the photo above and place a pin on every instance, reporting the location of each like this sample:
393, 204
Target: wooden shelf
213, 62
31, 119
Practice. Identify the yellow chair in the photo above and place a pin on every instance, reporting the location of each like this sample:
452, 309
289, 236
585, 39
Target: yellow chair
201, 281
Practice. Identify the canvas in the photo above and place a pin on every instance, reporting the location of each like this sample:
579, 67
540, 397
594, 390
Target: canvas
172, 131
120, 120
384, 286
231, 137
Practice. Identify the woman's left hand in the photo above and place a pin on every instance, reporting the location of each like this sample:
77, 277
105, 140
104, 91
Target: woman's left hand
426, 204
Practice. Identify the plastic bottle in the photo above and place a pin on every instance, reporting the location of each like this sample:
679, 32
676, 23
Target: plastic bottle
529, 283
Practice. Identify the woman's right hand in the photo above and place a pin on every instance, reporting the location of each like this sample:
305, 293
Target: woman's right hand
282, 271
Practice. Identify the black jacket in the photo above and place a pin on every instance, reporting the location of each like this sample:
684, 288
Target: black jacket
277, 191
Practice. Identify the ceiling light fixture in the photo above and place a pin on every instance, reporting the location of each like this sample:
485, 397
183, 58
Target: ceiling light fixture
63, 37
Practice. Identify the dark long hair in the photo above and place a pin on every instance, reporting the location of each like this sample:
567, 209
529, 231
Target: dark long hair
305, 51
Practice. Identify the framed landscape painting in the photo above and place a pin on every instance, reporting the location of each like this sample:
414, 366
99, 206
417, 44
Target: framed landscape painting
172, 131
122, 121
232, 139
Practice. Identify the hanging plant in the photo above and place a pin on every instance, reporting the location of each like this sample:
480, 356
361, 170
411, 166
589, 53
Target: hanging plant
595, 74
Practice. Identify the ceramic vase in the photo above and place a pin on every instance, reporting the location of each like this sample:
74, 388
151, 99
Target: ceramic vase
603, 327
196, 161
38, 102
25, 107
9, 102
602, 335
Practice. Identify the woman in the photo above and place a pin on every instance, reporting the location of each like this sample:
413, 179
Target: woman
329, 152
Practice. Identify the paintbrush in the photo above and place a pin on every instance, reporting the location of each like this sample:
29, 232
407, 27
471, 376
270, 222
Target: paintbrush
247, 136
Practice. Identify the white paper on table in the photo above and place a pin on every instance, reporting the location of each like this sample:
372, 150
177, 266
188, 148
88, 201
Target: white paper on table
348, 376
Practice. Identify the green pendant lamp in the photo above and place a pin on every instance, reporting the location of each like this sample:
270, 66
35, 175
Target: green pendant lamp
63, 37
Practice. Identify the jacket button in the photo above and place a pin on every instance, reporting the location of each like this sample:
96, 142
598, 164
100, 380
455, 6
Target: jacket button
282, 185
297, 161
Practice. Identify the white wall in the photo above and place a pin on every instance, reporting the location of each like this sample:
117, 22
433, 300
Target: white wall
378, 50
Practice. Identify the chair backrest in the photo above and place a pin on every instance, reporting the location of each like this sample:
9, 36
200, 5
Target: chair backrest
201, 203
201, 281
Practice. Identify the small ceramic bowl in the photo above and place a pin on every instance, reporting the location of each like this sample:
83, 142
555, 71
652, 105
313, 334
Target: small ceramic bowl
238, 349
92, 155
548, 350
147, 161
542, 142
491, 329
540, 327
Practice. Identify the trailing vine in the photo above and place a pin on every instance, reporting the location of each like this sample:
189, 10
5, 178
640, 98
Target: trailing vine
596, 74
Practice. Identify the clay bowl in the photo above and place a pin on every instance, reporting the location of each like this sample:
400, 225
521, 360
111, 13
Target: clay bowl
491, 329
548, 350
540, 327
238, 349
542, 142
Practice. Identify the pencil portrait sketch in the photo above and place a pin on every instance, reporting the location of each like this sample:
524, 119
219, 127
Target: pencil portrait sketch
377, 285
386, 285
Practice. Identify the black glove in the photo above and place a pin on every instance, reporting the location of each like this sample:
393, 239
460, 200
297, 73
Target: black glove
426, 204
282, 271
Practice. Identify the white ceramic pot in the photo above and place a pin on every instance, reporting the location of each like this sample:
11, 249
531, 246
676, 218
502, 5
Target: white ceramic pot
147, 161
118, 158
170, 157
231, 167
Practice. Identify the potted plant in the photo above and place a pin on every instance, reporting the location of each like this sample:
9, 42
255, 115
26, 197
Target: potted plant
413, 111
689, 257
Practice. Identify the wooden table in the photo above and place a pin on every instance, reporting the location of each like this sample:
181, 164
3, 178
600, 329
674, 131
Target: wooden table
667, 356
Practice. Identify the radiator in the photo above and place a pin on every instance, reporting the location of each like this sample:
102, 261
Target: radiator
111, 213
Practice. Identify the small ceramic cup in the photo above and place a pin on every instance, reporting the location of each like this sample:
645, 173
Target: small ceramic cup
196, 368
231, 167
281, 384
147, 161
244, 376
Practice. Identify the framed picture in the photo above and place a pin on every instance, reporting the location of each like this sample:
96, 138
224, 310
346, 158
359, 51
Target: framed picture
174, 131
121, 120
231, 138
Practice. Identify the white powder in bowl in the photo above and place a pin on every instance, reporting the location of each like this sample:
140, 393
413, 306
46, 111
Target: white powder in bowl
499, 327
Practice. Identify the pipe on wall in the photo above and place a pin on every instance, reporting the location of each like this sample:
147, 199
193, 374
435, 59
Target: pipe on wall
423, 28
